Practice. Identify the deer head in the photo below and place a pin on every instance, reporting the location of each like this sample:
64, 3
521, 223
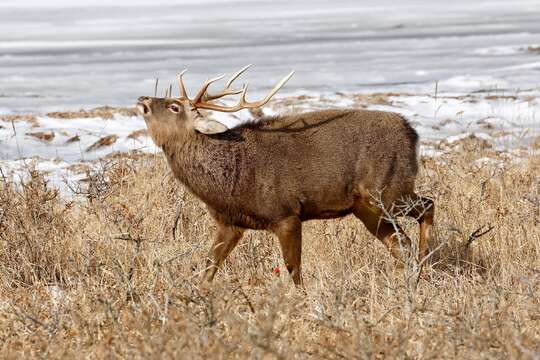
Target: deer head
181, 114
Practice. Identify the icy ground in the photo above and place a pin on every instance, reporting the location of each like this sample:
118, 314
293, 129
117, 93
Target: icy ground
64, 148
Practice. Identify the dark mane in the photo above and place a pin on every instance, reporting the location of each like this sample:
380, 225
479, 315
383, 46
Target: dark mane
259, 123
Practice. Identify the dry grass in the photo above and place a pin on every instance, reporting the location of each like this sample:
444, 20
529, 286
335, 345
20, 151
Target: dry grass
43, 136
112, 276
20, 117
102, 142
104, 112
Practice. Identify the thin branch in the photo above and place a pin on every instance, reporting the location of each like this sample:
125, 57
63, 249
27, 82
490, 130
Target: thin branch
478, 233
176, 220
248, 301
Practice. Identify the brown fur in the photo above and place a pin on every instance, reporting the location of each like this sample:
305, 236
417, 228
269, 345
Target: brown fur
280, 171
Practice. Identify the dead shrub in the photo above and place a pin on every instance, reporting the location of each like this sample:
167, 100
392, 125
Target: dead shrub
35, 233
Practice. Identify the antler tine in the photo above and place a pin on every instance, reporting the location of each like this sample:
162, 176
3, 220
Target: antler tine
203, 89
242, 103
210, 97
183, 93
272, 92
226, 91
235, 76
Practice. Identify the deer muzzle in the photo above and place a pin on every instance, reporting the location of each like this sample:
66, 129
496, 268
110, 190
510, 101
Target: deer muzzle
143, 105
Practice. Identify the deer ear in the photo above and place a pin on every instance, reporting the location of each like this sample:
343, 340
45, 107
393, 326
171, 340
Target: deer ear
209, 127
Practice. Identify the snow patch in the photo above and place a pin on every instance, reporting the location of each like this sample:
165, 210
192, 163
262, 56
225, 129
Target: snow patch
472, 83
70, 146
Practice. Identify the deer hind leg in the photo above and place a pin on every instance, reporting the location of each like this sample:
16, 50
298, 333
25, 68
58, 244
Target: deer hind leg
289, 233
390, 234
423, 210
226, 239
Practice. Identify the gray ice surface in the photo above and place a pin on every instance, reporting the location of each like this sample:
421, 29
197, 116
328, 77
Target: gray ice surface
109, 52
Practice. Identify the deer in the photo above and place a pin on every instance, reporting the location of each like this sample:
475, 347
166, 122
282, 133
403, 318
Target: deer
277, 172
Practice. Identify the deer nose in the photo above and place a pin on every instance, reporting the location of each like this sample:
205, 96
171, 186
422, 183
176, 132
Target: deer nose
143, 104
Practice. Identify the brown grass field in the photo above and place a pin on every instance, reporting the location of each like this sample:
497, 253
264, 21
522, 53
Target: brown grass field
116, 272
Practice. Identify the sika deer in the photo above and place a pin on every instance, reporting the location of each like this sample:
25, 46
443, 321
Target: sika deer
280, 171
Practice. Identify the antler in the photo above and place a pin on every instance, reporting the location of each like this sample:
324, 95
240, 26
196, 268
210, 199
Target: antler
227, 90
202, 92
183, 93
202, 99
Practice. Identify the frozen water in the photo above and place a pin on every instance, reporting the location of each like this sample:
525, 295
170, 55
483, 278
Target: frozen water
102, 52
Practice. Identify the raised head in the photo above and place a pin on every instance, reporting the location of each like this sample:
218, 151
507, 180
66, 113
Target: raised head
181, 114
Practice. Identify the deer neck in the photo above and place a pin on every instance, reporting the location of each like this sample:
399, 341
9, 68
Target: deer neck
207, 166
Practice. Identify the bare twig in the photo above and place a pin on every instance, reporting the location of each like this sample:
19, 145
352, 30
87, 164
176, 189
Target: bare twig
248, 301
176, 220
127, 237
382, 317
21, 315
4, 179
183, 254
478, 233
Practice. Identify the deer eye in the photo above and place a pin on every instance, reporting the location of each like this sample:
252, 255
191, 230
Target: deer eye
174, 108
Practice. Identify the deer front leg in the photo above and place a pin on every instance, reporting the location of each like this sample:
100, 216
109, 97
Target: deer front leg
226, 238
289, 233
389, 234
424, 212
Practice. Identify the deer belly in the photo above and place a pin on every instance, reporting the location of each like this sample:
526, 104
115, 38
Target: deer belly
246, 220
325, 207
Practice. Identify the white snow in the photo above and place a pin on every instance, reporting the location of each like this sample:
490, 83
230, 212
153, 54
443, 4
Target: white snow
21, 152
452, 114
472, 83
20, 144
